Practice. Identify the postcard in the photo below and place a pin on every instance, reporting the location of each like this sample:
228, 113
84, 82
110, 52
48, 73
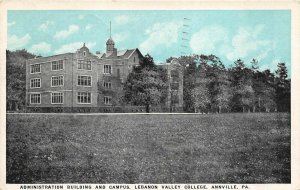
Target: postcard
150, 95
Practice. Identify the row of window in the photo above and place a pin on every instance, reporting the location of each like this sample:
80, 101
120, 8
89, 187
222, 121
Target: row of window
55, 66
58, 98
59, 65
108, 69
82, 80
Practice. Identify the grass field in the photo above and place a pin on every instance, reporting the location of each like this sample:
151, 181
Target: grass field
219, 148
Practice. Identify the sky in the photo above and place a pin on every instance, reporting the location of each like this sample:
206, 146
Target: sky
229, 34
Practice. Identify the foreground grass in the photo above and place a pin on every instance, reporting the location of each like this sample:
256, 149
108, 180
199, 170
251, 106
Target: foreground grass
225, 148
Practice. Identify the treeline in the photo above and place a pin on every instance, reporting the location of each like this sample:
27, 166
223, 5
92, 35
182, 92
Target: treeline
210, 87
16, 78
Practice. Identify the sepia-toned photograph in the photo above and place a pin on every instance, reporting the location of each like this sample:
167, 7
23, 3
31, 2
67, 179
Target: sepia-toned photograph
148, 96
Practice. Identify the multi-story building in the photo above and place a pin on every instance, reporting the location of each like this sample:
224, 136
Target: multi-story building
175, 71
84, 82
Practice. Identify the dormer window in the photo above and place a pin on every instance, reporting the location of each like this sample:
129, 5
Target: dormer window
84, 54
134, 59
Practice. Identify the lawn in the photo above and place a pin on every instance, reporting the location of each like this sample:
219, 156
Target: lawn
216, 148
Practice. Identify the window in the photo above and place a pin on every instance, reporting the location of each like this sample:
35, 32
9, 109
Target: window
57, 98
84, 97
57, 81
174, 74
57, 65
107, 84
118, 72
80, 64
134, 59
35, 98
88, 65
107, 100
36, 68
35, 83
85, 65
107, 69
85, 80
84, 54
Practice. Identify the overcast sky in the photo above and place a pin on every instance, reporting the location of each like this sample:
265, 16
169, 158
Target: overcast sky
264, 35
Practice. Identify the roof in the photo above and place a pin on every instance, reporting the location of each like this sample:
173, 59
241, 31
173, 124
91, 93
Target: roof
122, 54
100, 55
41, 58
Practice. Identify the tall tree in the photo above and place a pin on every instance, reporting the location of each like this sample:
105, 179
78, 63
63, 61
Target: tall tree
145, 85
220, 90
256, 84
264, 90
283, 89
243, 97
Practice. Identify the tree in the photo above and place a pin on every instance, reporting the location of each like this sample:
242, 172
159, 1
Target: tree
200, 98
257, 84
283, 89
264, 91
219, 86
254, 65
145, 85
187, 60
15, 78
222, 99
267, 98
282, 74
242, 84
